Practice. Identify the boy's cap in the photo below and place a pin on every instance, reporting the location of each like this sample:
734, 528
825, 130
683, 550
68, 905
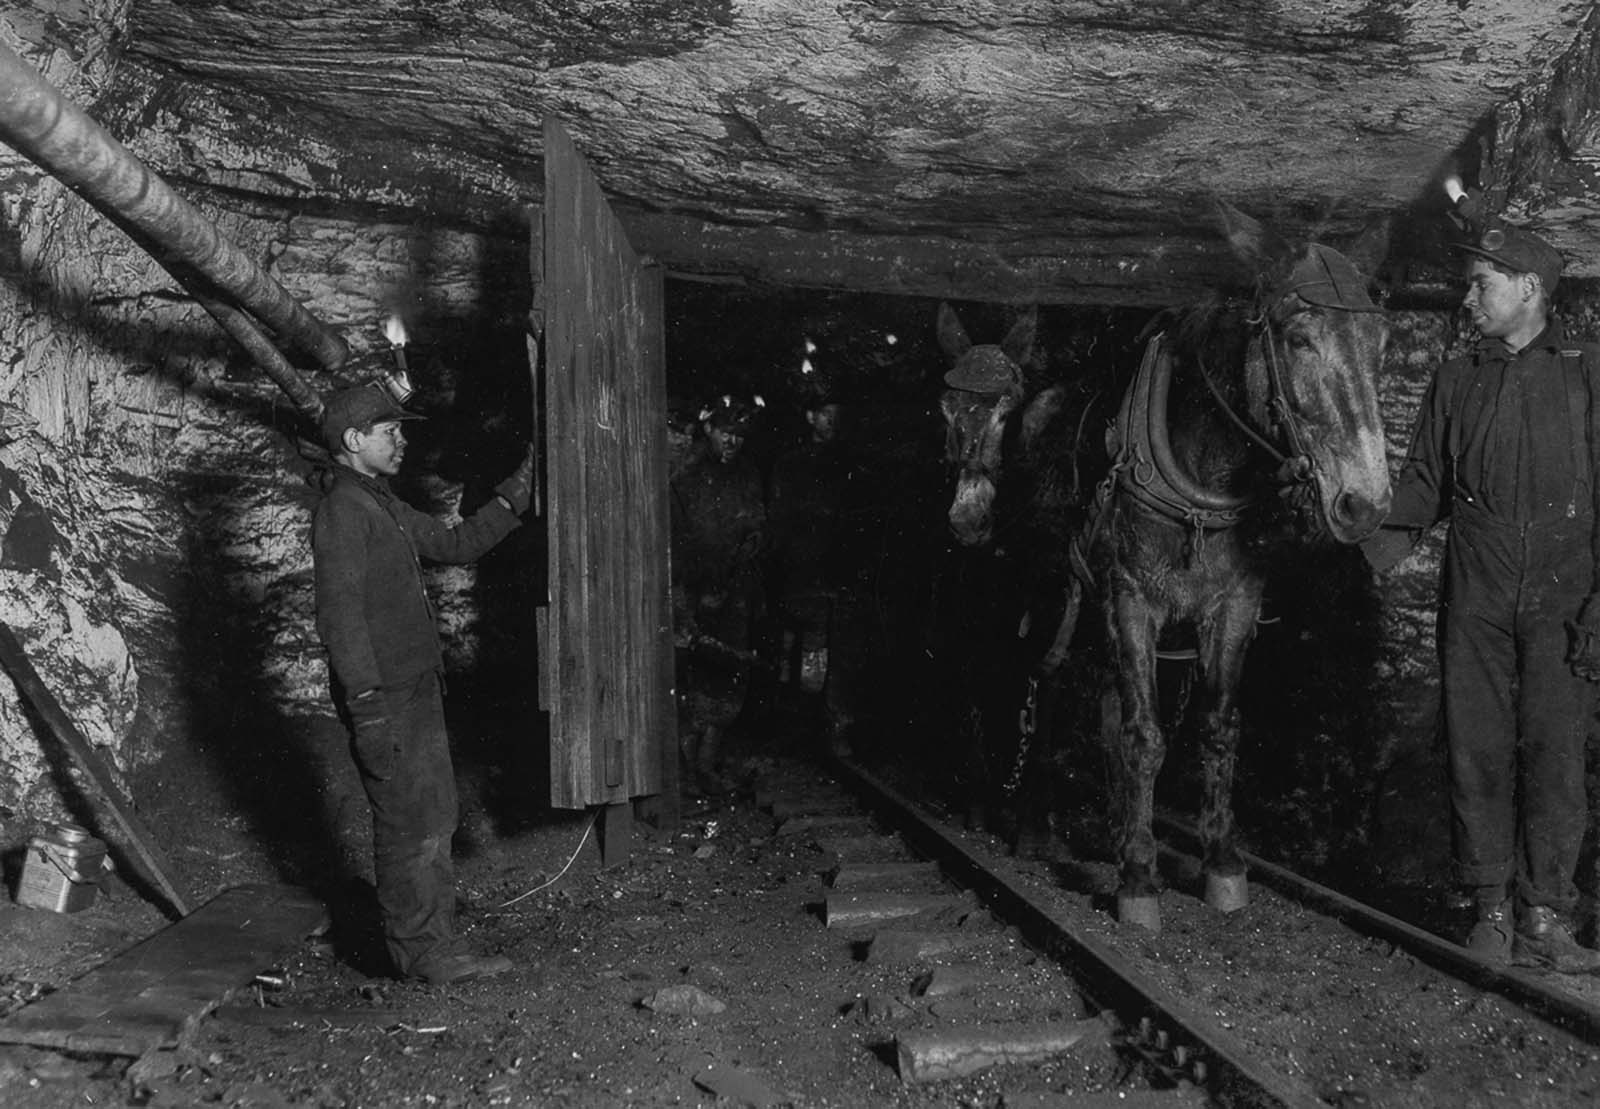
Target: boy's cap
359, 406
1520, 251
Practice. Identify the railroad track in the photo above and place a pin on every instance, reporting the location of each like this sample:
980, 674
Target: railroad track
1178, 1043
1175, 1040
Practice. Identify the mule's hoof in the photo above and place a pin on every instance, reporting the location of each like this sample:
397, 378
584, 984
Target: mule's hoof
1143, 910
1227, 893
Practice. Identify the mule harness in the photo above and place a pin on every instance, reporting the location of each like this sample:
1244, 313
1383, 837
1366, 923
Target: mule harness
1143, 465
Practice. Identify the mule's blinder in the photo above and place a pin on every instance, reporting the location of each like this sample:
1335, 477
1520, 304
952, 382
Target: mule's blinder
1327, 279
984, 369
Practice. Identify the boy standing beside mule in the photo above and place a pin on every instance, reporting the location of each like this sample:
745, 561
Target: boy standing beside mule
1504, 448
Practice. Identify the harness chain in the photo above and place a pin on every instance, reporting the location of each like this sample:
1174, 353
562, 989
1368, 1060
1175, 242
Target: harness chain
1027, 725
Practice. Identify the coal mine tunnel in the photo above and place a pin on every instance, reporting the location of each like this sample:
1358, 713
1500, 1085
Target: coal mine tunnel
564, 238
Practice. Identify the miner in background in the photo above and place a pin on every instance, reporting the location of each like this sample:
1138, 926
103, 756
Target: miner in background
1504, 447
813, 576
375, 619
718, 512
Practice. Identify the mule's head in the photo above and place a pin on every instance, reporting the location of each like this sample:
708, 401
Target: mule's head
975, 425
985, 387
1323, 339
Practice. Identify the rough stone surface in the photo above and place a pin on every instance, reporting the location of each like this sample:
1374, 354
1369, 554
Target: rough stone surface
1035, 151
155, 559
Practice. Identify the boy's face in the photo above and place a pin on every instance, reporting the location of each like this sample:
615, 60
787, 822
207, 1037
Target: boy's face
824, 420
1498, 302
377, 451
725, 442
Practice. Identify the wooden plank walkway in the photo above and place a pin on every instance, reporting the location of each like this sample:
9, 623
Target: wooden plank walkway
150, 995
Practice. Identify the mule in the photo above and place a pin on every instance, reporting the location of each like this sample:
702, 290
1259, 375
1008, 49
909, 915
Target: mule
1251, 426
1017, 499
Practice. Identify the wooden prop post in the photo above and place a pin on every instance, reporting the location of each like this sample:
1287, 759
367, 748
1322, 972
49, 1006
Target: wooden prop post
36, 693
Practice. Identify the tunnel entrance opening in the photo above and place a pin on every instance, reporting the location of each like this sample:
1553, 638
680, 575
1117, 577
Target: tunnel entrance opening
953, 633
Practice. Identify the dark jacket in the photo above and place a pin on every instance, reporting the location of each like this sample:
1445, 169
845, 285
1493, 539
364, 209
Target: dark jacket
1507, 433
718, 513
373, 613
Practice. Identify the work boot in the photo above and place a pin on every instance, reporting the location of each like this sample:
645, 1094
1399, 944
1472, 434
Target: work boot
1545, 940
1491, 937
441, 970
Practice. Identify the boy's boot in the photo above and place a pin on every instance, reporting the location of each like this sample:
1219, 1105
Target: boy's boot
1544, 939
1491, 936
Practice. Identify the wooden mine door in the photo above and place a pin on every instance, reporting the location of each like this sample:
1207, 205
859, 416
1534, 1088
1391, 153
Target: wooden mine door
605, 662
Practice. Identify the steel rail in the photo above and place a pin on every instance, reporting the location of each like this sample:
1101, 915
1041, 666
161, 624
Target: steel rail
1234, 1075
1515, 985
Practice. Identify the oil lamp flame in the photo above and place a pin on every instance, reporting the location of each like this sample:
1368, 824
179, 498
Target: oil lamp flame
398, 381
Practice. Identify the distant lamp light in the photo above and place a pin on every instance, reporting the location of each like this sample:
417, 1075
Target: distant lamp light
891, 338
811, 348
806, 367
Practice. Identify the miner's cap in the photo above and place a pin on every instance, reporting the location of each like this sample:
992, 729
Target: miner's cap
359, 406
730, 413
1520, 251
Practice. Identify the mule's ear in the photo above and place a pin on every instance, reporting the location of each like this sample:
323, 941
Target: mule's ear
1253, 241
1371, 249
952, 336
1018, 343
1037, 415
949, 406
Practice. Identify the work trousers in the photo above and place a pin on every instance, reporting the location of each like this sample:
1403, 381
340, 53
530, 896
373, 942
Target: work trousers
714, 672
1516, 717
830, 638
411, 786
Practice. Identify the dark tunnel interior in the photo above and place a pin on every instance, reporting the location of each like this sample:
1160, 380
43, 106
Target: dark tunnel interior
952, 634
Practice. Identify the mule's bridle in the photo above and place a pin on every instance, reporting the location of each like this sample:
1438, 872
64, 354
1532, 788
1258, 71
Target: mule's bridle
1296, 463
1143, 464
1326, 280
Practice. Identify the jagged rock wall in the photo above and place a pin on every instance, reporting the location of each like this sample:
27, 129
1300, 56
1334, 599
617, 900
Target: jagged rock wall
153, 502
57, 595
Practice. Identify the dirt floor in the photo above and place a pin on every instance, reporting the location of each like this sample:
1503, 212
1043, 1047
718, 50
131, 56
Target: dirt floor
703, 966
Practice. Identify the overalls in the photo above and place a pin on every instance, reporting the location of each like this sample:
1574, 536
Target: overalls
1519, 562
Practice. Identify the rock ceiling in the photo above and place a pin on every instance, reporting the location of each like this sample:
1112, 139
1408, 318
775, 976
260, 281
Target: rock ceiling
1054, 150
